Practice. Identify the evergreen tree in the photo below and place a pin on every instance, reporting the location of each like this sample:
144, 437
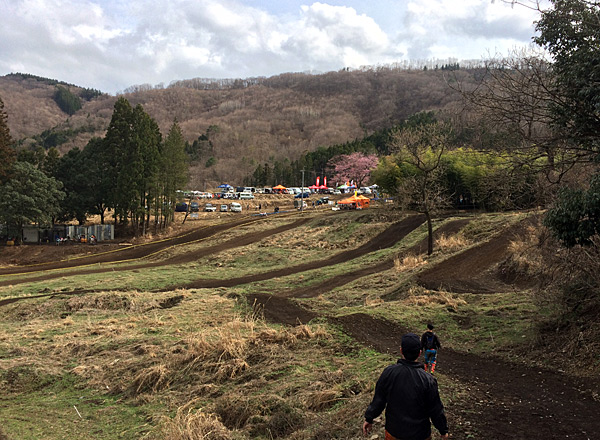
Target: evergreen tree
50, 163
117, 142
77, 177
147, 159
173, 170
35, 156
67, 101
570, 32
7, 153
29, 197
99, 169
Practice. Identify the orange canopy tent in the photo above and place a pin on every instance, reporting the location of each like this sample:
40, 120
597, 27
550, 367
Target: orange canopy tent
361, 201
279, 189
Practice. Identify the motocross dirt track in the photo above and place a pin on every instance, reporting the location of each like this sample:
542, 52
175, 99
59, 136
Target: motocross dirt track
512, 401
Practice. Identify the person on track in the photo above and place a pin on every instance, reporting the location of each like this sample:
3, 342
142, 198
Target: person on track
410, 397
430, 344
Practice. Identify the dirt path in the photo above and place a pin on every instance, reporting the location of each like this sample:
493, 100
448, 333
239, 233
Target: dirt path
132, 252
511, 401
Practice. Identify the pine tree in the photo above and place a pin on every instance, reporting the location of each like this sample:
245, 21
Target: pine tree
173, 171
117, 142
7, 153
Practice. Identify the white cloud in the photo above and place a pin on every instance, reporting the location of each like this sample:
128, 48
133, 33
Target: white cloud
111, 44
336, 36
465, 29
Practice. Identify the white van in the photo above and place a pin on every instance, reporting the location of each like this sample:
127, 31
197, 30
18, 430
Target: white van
246, 196
235, 207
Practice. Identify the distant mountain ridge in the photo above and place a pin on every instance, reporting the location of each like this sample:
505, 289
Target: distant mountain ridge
252, 121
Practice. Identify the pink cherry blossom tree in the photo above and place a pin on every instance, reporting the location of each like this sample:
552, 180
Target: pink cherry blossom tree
352, 167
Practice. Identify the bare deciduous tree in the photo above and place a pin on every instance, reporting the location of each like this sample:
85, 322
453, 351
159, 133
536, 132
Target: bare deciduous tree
510, 110
419, 151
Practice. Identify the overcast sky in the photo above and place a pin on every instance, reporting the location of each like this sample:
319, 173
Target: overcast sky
112, 44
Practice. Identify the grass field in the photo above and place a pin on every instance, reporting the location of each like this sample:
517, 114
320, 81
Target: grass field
127, 361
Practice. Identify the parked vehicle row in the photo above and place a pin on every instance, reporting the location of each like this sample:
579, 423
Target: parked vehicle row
228, 191
209, 207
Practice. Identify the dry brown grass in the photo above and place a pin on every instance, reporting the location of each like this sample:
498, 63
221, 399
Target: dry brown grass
419, 296
192, 425
373, 302
154, 378
525, 257
408, 262
322, 400
452, 243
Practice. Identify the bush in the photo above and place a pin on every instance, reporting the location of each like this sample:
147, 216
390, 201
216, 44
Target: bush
575, 218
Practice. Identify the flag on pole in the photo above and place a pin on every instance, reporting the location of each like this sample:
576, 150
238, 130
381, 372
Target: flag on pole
317, 180
325, 180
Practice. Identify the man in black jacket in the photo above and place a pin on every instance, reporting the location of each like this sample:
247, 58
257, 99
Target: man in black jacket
410, 396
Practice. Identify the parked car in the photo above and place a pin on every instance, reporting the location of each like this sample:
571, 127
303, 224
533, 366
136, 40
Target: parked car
337, 192
364, 190
235, 207
194, 207
303, 195
323, 201
246, 196
181, 207
223, 208
209, 207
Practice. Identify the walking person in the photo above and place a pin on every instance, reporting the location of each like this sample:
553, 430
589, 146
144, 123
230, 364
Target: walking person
409, 396
430, 344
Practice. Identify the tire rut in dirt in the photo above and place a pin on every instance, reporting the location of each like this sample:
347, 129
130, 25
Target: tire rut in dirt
280, 310
329, 284
384, 240
130, 252
469, 271
179, 259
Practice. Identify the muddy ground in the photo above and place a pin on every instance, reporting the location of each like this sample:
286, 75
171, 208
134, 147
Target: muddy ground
509, 399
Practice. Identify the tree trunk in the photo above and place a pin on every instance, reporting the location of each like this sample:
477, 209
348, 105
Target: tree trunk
429, 232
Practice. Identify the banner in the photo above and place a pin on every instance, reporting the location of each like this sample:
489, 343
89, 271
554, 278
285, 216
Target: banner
325, 180
317, 180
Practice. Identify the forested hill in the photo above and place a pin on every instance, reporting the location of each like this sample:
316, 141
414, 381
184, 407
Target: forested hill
236, 124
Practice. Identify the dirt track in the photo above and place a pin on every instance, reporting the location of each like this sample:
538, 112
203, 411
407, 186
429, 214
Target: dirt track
94, 263
465, 272
513, 402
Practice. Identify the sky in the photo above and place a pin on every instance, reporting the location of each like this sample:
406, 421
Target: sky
113, 44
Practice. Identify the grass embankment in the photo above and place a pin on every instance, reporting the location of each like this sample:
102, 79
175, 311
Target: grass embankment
135, 364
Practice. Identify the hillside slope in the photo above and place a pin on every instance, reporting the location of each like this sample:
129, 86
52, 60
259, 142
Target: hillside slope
258, 121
